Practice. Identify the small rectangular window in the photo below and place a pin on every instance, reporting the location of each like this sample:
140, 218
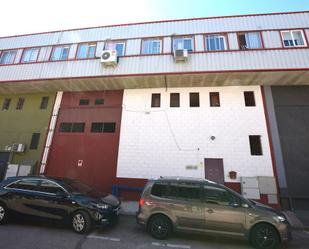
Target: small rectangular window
174, 100
30, 55
6, 104
109, 127
194, 99
255, 145
155, 100
151, 47
183, 43
96, 127
120, 49
250, 40
35, 141
78, 127
293, 38
249, 98
214, 99
99, 102
7, 57
65, 127
86, 50
20, 103
103, 127
72, 127
216, 42
118, 46
44, 102
84, 102
60, 53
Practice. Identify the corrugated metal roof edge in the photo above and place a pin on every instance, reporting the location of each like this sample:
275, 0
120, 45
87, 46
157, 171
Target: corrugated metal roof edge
162, 74
161, 21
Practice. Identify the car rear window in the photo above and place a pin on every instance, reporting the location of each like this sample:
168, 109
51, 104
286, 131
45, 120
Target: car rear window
29, 184
160, 189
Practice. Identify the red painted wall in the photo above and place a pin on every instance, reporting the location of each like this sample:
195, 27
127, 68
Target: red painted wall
99, 151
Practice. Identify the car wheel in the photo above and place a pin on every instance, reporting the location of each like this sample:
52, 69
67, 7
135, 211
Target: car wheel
81, 222
264, 236
3, 213
160, 227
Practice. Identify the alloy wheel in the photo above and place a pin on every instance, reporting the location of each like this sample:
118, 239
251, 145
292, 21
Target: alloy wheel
265, 236
78, 222
160, 227
2, 213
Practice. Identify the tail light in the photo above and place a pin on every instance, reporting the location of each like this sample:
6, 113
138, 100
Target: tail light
141, 202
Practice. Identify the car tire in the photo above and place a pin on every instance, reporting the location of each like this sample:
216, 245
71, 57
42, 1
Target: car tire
160, 226
3, 213
264, 236
81, 222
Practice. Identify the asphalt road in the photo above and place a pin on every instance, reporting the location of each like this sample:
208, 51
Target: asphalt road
124, 235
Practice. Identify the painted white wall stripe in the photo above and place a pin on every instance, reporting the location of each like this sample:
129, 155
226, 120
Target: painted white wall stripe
51, 130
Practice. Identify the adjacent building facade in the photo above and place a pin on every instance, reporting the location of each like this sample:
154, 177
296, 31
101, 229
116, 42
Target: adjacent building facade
222, 98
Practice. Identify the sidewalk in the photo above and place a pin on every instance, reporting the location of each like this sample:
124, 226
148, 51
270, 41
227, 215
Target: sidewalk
295, 222
299, 219
303, 215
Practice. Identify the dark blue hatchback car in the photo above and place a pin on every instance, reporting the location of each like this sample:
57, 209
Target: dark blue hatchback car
62, 199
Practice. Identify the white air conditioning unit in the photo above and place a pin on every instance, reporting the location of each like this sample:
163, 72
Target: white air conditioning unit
181, 55
109, 57
8, 148
18, 148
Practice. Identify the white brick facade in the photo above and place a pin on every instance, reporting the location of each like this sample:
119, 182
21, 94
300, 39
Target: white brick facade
163, 141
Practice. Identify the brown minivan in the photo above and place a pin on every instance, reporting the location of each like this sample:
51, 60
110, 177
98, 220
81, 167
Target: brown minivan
198, 205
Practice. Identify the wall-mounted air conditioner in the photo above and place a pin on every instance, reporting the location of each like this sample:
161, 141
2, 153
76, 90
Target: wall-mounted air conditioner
180, 55
18, 148
8, 148
109, 57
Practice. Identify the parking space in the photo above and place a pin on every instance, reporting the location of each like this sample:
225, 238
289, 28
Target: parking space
124, 235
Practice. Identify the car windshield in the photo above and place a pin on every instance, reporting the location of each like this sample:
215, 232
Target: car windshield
77, 187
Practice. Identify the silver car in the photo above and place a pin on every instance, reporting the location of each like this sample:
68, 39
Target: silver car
198, 205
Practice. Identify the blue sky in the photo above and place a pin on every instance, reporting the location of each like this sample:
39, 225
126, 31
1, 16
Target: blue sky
202, 8
29, 16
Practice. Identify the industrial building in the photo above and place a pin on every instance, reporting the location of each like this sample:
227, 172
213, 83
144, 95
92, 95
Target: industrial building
222, 98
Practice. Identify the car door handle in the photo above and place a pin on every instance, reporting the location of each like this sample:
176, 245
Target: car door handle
210, 211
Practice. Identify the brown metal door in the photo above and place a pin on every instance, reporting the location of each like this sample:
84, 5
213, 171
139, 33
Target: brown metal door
214, 170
